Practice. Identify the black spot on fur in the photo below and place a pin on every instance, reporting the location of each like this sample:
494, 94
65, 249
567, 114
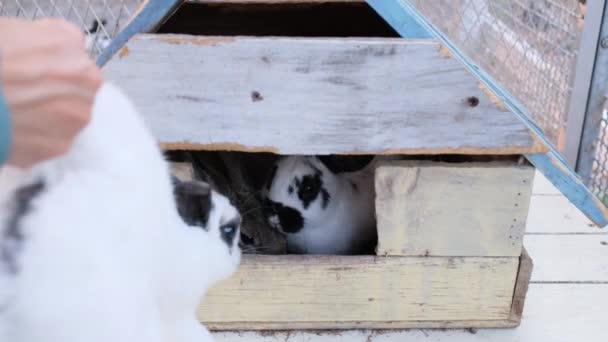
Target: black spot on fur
354, 186
193, 202
290, 219
12, 239
340, 164
290, 190
309, 188
96, 25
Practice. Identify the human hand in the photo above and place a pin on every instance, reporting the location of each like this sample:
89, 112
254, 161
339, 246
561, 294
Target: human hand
49, 83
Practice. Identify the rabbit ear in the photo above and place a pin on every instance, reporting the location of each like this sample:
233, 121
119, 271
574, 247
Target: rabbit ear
345, 163
193, 202
270, 177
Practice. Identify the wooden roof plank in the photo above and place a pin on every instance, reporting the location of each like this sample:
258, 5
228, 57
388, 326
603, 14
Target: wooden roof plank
551, 164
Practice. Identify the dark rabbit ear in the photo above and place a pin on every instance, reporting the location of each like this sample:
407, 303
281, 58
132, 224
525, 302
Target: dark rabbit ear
193, 202
270, 177
341, 163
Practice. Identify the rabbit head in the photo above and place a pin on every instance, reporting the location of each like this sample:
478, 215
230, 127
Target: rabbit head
299, 193
202, 208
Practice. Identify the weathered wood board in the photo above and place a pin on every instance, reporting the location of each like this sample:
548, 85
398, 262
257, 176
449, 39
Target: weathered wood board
426, 208
569, 258
313, 96
564, 217
553, 312
323, 292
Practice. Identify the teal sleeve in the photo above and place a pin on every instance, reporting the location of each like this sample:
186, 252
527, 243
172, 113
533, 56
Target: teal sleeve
5, 129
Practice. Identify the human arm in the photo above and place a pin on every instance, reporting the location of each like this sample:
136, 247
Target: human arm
49, 84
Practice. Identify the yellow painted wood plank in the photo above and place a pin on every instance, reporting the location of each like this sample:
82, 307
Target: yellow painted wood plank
427, 208
321, 290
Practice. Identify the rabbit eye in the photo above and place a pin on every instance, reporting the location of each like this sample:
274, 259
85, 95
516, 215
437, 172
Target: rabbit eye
309, 189
228, 233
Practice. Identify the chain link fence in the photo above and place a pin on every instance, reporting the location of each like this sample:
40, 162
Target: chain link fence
599, 170
100, 19
529, 46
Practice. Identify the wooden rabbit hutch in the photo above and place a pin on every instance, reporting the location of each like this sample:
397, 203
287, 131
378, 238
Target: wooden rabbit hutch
320, 77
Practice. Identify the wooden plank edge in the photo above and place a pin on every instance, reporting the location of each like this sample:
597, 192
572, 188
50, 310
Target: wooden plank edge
551, 164
181, 38
147, 18
280, 326
394, 246
533, 146
522, 283
508, 322
520, 290
236, 147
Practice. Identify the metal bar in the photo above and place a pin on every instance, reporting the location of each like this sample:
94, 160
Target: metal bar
551, 164
405, 25
595, 105
151, 14
582, 80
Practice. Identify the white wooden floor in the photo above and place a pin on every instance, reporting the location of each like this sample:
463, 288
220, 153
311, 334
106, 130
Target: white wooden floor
567, 300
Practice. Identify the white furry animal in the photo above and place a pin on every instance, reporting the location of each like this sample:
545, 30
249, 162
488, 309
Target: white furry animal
96, 36
93, 248
321, 211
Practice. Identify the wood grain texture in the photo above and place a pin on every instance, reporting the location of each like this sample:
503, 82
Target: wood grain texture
349, 325
521, 286
452, 209
551, 164
553, 313
312, 96
320, 290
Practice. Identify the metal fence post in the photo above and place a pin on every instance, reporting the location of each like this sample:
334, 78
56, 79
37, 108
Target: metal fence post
590, 165
581, 85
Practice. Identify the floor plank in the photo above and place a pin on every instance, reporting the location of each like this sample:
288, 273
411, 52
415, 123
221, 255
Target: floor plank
553, 313
551, 214
568, 258
542, 186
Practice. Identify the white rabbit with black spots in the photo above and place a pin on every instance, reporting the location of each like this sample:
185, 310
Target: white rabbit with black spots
322, 211
92, 245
